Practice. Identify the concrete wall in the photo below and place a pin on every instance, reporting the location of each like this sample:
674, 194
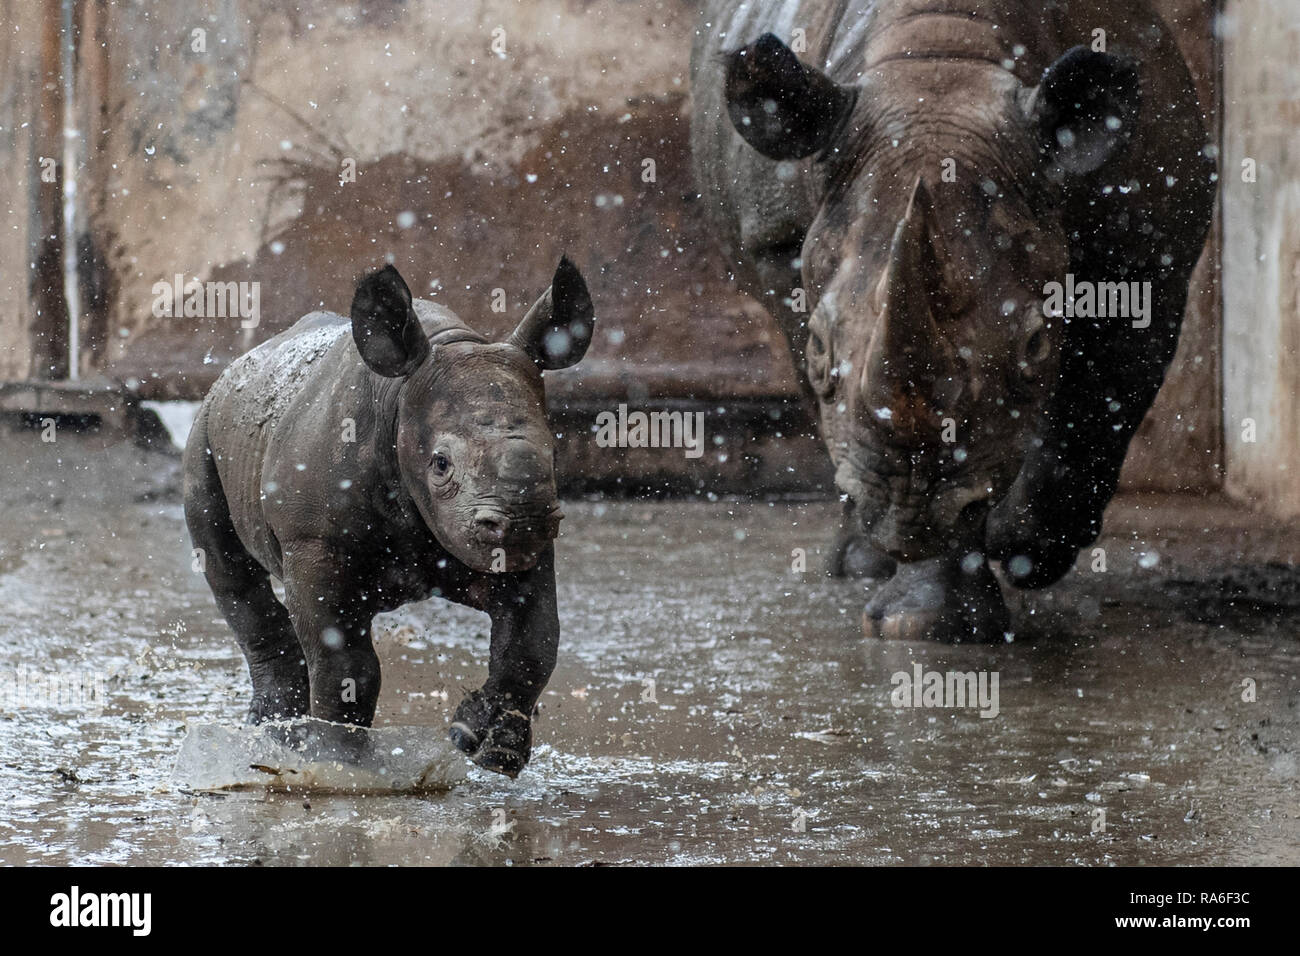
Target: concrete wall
1261, 254
33, 319
227, 165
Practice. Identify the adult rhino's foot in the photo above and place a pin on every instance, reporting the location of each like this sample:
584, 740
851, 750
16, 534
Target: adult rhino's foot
852, 555
1047, 516
1036, 545
948, 599
858, 558
494, 734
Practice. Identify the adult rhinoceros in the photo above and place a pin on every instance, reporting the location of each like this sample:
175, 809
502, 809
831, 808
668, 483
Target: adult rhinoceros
925, 178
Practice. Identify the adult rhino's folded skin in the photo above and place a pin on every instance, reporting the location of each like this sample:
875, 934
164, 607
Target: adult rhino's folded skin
376, 460
922, 172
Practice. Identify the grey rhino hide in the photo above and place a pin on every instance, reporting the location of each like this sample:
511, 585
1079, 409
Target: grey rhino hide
380, 459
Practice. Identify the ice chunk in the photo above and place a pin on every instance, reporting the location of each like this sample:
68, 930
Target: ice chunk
310, 754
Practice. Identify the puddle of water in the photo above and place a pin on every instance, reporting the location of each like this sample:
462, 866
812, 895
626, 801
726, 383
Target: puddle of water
710, 705
314, 756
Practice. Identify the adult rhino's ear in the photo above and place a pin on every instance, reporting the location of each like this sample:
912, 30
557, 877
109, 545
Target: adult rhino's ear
781, 107
557, 329
384, 326
1085, 108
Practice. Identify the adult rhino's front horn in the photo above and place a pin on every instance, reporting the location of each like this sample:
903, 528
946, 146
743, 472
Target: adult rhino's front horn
909, 369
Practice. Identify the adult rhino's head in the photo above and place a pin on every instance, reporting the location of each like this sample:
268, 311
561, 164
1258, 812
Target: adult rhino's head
474, 446
939, 188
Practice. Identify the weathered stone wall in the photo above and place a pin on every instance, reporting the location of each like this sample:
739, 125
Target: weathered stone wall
33, 319
474, 171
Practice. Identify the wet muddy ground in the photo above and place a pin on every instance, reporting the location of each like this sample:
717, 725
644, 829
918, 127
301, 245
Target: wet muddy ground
710, 704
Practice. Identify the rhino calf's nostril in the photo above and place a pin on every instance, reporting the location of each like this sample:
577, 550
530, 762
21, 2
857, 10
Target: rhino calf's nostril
491, 524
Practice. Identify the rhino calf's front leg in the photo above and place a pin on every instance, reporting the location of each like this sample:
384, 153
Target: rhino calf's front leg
494, 724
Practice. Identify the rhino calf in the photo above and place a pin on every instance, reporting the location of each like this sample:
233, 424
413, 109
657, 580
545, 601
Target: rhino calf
371, 462
923, 172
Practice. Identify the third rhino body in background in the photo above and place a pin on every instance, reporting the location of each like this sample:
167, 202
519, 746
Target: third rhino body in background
921, 171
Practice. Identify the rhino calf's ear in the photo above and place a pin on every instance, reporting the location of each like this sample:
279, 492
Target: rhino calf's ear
384, 326
1086, 108
558, 328
781, 107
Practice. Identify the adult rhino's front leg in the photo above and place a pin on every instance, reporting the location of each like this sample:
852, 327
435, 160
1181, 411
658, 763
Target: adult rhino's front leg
1109, 380
942, 588
953, 598
852, 554
494, 724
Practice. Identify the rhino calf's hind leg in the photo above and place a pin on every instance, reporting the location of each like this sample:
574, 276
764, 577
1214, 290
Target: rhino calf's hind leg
265, 635
335, 635
953, 598
242, 590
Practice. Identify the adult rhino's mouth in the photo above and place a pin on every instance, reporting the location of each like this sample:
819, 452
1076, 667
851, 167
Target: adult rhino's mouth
910, 533
909, 513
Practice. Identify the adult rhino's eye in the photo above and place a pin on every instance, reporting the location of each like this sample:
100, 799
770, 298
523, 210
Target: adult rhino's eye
818, 357
1038, 346
441, 463
1032, 354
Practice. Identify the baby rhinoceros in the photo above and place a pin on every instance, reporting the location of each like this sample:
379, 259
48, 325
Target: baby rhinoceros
371, 463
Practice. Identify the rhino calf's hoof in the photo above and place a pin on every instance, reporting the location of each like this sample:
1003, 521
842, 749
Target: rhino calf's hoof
494, 736
275, 706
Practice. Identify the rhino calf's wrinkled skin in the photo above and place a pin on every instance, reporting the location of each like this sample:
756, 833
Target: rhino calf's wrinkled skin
922, 171
378, 460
